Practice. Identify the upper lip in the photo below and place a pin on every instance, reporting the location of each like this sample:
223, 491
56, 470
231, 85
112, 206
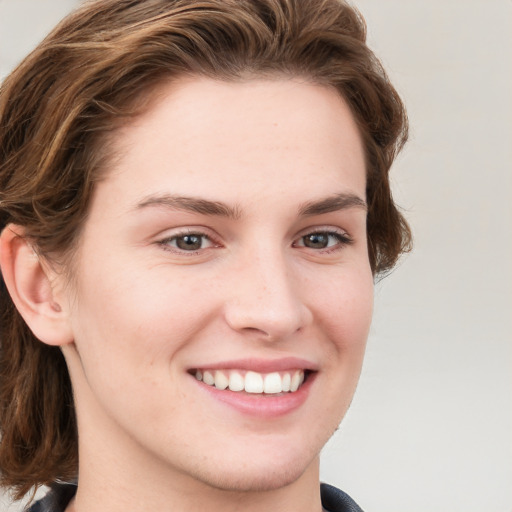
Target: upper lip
262, 365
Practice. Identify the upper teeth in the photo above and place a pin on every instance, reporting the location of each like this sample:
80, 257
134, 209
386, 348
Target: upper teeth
252, 382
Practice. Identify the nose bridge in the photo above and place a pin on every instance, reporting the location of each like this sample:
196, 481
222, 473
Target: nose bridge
265, 295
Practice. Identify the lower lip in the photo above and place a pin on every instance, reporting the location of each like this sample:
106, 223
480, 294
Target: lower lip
261, 405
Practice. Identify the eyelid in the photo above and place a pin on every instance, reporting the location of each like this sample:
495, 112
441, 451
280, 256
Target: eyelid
202, 232
343, 237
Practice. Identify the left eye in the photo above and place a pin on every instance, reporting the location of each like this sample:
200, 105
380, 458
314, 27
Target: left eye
322, 240
188, 242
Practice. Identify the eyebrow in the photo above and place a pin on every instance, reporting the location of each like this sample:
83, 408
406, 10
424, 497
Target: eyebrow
202, 206
191, 204
333, 203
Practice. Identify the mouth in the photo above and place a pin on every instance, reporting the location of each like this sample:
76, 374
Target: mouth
252, 382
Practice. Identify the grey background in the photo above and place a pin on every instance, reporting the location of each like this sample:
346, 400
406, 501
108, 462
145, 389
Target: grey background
430, 429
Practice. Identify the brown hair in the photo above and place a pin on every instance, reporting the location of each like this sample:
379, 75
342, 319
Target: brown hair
58, 108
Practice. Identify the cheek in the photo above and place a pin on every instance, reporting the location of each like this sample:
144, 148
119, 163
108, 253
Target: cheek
346, 310
347, 317
126, 342
344, 313
136, 322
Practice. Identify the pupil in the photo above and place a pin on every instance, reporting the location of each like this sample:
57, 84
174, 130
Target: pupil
316, 240
189, 242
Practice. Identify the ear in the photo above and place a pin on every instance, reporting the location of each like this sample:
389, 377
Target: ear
33, 287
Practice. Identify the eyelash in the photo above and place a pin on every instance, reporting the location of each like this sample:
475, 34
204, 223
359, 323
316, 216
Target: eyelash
165, 243
342, 238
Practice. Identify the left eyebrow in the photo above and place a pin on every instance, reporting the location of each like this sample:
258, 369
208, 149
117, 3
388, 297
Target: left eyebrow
332, 204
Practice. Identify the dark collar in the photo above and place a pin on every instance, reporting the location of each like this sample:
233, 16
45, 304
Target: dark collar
334, 500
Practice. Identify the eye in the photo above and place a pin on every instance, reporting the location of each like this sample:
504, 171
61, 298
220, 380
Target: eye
188, 242
323, 240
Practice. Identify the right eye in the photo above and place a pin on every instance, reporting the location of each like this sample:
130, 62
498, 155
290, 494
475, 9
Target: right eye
187, 242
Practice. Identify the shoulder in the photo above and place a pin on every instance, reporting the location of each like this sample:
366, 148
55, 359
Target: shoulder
334, 500
56, 500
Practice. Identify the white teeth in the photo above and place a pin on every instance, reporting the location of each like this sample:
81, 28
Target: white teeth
272, 383
287, 379
236, 382
221, 381
295, 382
208, 378
252, 382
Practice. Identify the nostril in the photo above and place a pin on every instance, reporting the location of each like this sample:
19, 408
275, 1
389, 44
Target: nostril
266, 321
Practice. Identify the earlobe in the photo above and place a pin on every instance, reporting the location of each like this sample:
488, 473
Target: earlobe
32, 288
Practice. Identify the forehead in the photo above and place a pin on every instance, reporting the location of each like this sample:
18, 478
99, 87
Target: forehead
215, 137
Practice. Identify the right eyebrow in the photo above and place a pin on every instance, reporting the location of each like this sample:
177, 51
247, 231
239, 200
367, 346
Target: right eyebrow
191, 204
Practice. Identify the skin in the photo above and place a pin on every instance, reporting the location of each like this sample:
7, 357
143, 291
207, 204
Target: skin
140, 312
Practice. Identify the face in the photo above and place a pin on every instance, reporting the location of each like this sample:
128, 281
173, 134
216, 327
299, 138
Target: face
222, 293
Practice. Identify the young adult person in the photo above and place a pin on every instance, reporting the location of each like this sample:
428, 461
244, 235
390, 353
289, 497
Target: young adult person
194, 205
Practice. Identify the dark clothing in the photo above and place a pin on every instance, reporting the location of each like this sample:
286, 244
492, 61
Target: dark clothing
56, 500
334, 500
59, 496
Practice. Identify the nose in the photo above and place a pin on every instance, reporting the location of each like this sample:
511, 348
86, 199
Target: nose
266, 299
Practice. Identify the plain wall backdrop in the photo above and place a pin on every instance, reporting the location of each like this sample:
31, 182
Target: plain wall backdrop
430, 429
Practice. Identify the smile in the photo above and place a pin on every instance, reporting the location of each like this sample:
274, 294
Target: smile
252, 382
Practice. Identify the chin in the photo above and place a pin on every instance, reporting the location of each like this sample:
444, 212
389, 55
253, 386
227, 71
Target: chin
250, 479
262, 472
